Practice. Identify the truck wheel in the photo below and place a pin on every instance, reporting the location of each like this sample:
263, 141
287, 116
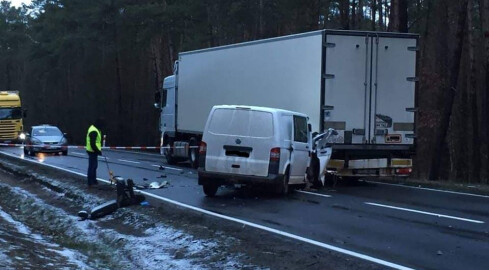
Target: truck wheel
193, 153
210, 190
169, 153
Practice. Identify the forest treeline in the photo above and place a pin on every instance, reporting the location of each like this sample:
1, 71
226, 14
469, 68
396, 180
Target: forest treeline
74, 60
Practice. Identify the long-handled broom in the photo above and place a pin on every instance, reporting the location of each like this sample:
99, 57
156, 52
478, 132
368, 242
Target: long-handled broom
111, 174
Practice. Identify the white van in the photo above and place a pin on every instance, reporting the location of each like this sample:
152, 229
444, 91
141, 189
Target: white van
254, 146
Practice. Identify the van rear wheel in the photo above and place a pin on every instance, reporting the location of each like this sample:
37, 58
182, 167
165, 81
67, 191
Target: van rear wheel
210, 190
283, 187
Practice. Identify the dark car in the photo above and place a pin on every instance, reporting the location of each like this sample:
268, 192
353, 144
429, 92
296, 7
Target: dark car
46, 139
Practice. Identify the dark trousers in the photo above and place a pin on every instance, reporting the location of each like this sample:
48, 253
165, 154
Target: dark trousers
92, 168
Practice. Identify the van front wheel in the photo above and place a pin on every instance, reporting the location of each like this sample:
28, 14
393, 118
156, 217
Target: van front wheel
210, 190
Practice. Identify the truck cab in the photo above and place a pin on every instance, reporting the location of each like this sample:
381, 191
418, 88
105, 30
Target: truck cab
11, 114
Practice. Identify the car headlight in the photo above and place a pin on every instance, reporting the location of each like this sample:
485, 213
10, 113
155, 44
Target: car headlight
22, 136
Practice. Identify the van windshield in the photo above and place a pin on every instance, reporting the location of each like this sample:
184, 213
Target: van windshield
242, 122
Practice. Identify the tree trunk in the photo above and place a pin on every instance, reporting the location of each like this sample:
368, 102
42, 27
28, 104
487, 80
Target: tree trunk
484, 15
474, 162
394, 17
373, 14
403, 16
353, 14
448, 106
345, 14
360, 14
381, 15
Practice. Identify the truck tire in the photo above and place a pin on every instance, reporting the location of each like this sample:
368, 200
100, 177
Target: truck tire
170, 159
193, 153
210, 190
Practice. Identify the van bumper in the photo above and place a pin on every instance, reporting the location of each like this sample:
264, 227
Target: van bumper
215, 178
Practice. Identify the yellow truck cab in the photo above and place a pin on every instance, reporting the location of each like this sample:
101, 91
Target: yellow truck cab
11, 126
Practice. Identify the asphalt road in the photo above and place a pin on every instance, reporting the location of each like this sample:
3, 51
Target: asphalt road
409, 227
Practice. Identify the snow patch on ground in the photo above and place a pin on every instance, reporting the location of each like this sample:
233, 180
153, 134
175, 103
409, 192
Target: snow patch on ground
72, 256
161, 247
21, 228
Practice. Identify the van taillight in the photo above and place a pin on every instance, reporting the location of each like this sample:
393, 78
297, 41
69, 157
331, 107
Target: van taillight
202, 148
275, 154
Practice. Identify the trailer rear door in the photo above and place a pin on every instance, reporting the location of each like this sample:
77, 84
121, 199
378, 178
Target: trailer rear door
393, 81
369, 87
346, 101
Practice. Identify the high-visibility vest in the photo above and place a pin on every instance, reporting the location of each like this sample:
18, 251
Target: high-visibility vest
98, 141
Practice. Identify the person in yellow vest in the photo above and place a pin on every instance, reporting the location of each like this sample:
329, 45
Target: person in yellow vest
94, 149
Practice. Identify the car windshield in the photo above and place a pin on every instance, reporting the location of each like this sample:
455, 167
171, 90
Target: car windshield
10, 113
46, 131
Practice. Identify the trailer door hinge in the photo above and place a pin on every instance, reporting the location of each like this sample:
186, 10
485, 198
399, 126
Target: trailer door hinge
411, 109
328, 76
328, 107
330, 45
413, 48
412, 79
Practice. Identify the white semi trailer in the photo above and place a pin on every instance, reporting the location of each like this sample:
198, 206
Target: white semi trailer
362, 84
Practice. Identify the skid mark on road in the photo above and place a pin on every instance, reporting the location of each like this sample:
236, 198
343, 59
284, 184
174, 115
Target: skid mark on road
425, 213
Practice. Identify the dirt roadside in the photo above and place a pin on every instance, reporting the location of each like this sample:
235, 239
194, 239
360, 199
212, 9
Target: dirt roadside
193, 240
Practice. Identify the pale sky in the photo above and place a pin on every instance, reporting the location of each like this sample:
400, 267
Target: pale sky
18, 3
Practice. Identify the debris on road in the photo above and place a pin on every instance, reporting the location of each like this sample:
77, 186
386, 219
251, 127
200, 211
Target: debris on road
125, 197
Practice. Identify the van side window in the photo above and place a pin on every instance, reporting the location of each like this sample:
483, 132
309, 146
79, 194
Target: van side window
163, 98
300, 129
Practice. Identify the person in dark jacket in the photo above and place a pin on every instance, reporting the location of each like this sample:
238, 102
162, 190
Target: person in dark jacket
94, 149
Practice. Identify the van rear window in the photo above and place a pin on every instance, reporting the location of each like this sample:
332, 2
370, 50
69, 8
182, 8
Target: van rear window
241, 123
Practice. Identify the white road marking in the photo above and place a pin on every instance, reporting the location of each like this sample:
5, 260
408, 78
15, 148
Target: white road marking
169, 168
77, 153
430, 189
129, 161
254, 225
314, 193
425, 213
